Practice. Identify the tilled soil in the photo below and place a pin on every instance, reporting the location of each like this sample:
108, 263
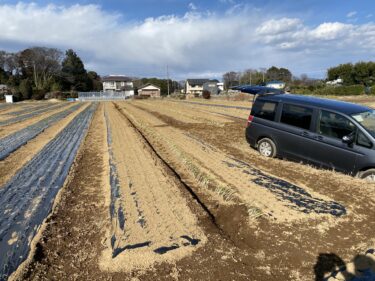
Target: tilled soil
17, 126
16, 160
302, 240
76, 238
27, 198
171, 191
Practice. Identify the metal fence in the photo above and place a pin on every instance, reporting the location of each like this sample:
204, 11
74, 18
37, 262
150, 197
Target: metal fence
101, 96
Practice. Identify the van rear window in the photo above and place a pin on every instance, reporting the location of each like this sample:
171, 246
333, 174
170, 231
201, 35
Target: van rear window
264, 109
298, 116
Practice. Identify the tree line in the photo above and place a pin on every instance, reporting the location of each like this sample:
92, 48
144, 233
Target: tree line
360, 73
256, 77
33, 72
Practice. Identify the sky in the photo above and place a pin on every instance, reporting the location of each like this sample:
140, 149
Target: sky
195, 39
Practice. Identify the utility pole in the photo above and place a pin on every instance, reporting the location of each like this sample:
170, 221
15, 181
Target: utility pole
168, 79
250, 77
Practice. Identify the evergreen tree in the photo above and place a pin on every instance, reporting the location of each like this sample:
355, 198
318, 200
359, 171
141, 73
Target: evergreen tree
74, 73
25, 89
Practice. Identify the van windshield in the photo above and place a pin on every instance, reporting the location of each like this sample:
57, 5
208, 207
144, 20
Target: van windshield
367, 120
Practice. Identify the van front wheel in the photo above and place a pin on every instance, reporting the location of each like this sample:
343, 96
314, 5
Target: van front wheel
267, 147
368, 175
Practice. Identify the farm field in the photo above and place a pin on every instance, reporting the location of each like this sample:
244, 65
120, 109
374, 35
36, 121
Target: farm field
168, 190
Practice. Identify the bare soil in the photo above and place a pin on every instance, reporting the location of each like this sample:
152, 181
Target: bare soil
185, 170
10, 165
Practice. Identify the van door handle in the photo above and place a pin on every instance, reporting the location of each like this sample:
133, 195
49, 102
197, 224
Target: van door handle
318, 138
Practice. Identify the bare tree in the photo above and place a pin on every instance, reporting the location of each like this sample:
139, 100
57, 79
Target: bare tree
42, 63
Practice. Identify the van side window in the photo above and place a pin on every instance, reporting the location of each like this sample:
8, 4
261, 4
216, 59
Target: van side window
264, 109
362, 140
334, 125
298, 116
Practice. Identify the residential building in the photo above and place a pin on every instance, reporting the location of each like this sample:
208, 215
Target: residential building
149, 90
276, 84
118, 83
212, 87
336, 82
195, 86
220, 85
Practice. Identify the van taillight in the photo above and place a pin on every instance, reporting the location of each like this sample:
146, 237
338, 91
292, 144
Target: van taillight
250, 119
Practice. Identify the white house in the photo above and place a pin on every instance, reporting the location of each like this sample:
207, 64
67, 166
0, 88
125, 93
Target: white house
220, 85
276, 84
149, 90
118, 83
338, 81
196, 86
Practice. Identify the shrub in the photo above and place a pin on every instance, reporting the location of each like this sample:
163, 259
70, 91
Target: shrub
206, 94
352, 90
38, 94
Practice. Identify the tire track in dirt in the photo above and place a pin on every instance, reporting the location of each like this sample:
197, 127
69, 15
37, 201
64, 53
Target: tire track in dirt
12, 142
276, 198
27, 198
151, 221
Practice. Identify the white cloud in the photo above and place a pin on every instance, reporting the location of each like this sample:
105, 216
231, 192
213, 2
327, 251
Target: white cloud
331, 30
274, 27
194, 44
192, 6
351, 14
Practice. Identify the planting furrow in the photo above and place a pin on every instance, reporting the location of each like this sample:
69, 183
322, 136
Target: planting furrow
28, 109
27, 198
31, 114
4, 106
151, 221
12, 142
215, 105
220, 175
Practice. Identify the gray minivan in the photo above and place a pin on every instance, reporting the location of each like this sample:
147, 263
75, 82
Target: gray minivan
326, 133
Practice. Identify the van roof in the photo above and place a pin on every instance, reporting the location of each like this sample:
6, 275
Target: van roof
340, 106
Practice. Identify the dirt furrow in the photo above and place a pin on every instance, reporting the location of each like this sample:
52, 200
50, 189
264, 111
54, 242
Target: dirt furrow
12, 142
80, 228
16, 160
42, 109
290, 248
27, 198
276, 198
153, 222
12, 128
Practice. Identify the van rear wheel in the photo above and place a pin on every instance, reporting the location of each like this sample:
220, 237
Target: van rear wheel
267, 147
368, 175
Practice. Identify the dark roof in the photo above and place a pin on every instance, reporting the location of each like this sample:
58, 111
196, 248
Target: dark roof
198, 82
116, 78
340, 106
148, 84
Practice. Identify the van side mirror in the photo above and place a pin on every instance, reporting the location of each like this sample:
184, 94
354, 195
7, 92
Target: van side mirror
349, 139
